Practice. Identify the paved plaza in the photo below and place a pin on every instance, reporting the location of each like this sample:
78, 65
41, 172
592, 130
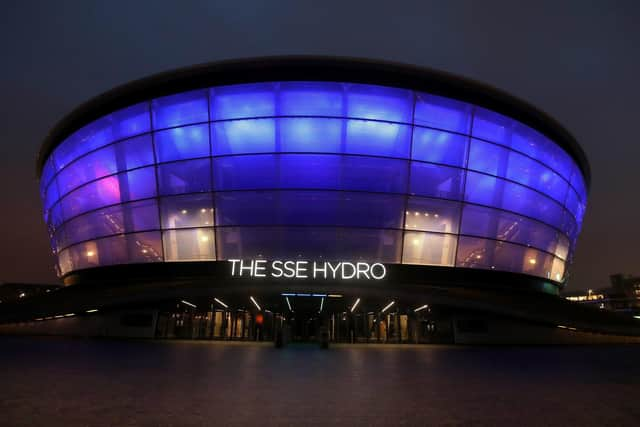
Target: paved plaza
68, 382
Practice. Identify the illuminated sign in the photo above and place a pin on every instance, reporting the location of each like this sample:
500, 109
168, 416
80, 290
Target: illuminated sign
290, 269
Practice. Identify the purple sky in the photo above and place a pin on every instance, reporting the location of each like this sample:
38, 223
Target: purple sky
576, 60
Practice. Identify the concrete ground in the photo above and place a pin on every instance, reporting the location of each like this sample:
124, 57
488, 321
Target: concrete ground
69, 382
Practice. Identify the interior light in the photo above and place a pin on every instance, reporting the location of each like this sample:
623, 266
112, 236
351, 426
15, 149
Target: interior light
93, 310
221, 303
204, 238
334, 296
183, 211
188, 303
144, 251
355, 304
69, 315
532, 261
289, 304
388, 306
416, 213
90, 253
255, 303
203, 210
478, 256
422, 307
321, 304
435, 215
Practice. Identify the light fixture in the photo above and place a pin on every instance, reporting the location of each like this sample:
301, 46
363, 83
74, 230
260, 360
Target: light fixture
69, 315
334, 296
93, 310
188, 303
253, 300
321, 304
203, 210
388, 306
221, 303
289, 304
183, 211
90, 253
144, 251
422, 307
355, 304
204, 238
532, 261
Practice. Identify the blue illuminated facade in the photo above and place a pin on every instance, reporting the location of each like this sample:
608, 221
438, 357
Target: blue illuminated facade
313, 170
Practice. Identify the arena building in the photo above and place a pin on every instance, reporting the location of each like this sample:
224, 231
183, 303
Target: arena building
381, 202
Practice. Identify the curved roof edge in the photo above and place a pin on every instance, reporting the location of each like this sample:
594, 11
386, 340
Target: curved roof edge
318, 68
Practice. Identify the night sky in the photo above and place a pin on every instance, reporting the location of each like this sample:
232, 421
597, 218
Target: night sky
577, 60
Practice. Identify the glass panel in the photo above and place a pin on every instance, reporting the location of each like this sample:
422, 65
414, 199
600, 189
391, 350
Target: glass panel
144, 247
180, 109
243, 136
331, 244
492, 126
189, 176
306, 171
47, 173
577, 182
428, 248
118, 125
191, 210
309, 208
557, 270
491, 191
117, 219
488, 254
311, 135
495, 224
119, 157
51, 195
432, 215
439, 147
180, 143
442, 113
379, 102
489, 158
436, 181
378, 138
137, 184
246, 100
311, 99
533, 174
196, 244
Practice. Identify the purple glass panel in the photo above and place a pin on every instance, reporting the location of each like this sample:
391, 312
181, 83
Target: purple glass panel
500, 225
118, 125
436, 181
309, 208
128, 217
378, 102
439, 147
311, 99
243, 101
442, 113
187, 142
304, 243
311, 135
181, 109
243, 136
137, 184
190, 210
437, 215
189, 176
378, 138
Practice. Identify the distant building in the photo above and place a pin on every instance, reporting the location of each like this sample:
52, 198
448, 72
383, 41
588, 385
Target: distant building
622, 296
